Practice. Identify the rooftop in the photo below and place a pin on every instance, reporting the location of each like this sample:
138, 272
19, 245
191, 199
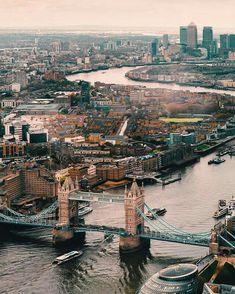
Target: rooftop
178, 272
37, 107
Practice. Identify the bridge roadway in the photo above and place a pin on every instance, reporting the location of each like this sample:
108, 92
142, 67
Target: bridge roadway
27, 222
153, 235
96, 197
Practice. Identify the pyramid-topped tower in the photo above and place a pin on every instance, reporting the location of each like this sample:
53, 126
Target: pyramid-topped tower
134, 201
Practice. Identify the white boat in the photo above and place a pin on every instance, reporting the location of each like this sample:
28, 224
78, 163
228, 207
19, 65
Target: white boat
84, 210
221, 212
158, 211
67, 256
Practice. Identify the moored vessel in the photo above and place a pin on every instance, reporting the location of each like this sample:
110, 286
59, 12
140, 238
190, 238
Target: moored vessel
216, 160
220, 213
158, 211
84, 210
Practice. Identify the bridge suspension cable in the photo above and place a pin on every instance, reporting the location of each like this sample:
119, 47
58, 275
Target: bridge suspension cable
170, 226
13, 212
172, 236
230, 234
227, 242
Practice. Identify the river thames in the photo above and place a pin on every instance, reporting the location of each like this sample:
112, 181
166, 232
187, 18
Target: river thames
117, 76
26, 256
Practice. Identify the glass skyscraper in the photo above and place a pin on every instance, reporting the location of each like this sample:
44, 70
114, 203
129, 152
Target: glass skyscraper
154, 47
183, 35
207, 37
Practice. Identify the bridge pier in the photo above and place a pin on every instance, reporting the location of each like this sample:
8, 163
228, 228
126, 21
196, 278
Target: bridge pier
214, 244
63, 235
131, 244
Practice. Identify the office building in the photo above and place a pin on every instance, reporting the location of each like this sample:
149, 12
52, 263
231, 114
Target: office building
231, 42
21, 78
177, 279
207, 37
188, 138
85, 92
192, 36
17, 128
37, 136
154, 48
175, 138
224, 44
110, 172
165, 41
38, 182
183, 36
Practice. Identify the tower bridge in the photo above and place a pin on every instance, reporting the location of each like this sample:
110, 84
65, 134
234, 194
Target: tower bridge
61, 217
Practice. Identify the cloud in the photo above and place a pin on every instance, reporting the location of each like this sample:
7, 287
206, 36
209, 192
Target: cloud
156, 13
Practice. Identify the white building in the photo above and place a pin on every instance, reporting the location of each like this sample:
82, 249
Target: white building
15, 87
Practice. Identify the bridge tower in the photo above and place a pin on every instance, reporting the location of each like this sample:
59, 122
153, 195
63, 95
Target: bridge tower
134, 199
63, 232
214, 243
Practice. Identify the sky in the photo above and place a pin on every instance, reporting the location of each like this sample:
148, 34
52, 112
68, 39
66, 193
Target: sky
119, 13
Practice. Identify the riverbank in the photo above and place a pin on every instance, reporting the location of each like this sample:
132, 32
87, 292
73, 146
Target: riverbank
188, 84
207, 76
209, 149
102, 68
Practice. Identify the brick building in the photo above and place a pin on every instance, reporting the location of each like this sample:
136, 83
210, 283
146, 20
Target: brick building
111, 172
35, 182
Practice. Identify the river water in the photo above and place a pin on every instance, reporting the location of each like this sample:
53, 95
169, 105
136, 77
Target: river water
117, 76
26, 256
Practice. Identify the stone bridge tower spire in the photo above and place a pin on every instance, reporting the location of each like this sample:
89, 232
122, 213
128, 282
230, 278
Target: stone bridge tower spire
134, 223
63, 232
63, 199
134, 199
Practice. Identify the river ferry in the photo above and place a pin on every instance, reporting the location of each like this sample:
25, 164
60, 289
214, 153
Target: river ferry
84, 210
67, 256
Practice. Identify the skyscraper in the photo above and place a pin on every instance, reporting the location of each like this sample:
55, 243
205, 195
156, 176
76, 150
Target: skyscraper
183, 35
224, 44
231, 42
85, 92
154, 47
165, 40
21, 78
207, 37
192, 36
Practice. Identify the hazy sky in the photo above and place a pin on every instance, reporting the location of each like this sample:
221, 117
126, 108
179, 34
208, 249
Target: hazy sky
137, 13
